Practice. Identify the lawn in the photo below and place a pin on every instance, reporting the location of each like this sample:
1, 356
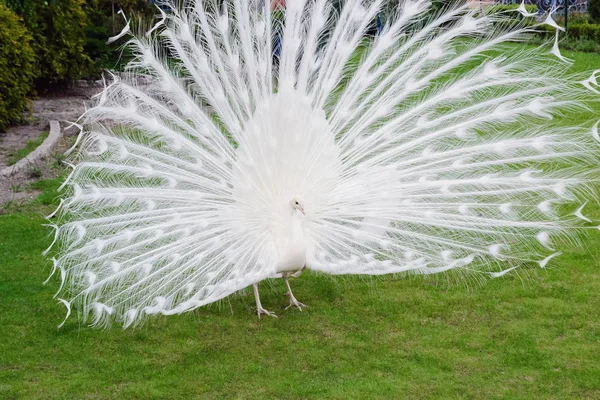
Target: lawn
514, 337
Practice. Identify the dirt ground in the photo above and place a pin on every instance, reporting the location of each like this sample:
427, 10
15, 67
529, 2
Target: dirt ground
64, 106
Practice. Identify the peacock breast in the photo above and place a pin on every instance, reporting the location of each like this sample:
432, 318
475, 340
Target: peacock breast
293, 256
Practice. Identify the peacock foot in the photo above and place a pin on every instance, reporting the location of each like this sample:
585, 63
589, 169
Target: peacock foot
261, 310
295, 303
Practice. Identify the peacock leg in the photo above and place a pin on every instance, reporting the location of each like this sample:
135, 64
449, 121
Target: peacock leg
259, 309
285, 277
293, 301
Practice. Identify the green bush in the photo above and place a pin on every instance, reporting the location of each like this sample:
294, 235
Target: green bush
16, 68
102, 24
129, 7
587, 32
546, 31
594, 10
58, 29
584, 31
580, 37
576, 17
584, 45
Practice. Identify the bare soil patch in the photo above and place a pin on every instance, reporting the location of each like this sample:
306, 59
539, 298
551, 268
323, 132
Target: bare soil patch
64, 106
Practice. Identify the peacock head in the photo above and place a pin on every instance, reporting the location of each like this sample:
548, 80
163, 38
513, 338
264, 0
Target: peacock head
297, 203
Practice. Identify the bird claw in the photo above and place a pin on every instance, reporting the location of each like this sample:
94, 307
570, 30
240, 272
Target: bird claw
261, 310
296, 303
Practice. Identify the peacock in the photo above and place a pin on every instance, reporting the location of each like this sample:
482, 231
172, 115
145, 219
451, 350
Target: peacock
246, 142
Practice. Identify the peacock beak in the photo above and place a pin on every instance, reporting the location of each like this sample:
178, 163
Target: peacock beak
302, 210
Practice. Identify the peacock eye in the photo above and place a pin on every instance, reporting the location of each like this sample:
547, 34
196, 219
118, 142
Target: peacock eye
296, 202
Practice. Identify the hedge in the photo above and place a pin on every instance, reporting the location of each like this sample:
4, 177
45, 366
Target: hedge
574, 32
584, 31
58, 30
17, 60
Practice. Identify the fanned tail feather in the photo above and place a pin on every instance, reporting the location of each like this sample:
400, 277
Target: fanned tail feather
431, 147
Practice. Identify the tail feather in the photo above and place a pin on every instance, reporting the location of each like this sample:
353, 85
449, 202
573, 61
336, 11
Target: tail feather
431, 147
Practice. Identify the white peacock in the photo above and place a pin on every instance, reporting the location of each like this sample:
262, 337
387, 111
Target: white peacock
427, 148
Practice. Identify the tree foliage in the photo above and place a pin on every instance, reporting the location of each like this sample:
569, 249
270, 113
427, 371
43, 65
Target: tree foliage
16, 67
58, 30
104, 22
594, 10
128, 6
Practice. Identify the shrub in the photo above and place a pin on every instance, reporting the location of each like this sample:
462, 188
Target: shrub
546, 31
58, 29
584, 31
16, 68
129, 7
594, 10
586, 45
580, 37
102, 24
102, 54
575, 17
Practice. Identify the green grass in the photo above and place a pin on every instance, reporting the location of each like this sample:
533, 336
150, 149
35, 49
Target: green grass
49, 189
380, 338
30, 146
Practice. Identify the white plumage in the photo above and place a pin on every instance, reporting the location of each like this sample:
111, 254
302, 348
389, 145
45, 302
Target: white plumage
431, 147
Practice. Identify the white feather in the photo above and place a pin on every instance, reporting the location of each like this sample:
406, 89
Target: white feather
524, 12
411, 153
579, 214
